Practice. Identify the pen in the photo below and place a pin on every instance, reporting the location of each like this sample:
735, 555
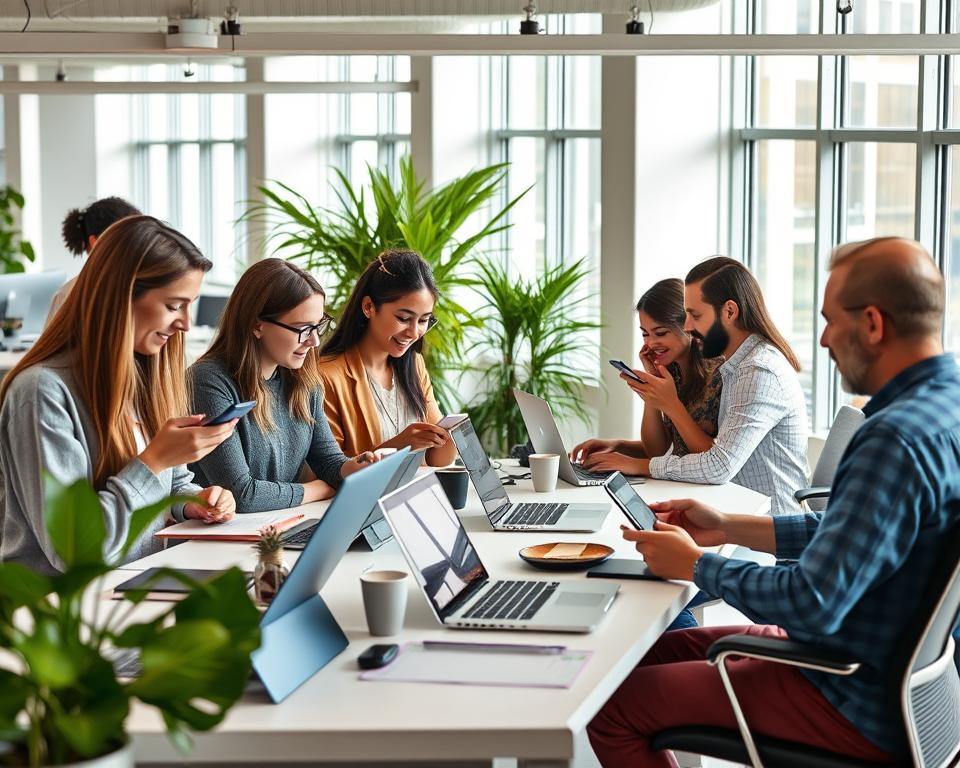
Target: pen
447, 645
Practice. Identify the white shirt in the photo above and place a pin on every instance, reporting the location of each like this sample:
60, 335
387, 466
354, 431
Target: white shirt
762, 438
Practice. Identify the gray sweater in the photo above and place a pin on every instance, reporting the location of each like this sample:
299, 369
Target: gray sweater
260, 469
45, 427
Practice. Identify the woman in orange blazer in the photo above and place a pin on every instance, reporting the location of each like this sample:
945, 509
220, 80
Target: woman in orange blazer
377, 393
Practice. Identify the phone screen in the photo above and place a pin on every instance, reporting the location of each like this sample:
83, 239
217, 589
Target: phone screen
235, 411
624, 368
635, 508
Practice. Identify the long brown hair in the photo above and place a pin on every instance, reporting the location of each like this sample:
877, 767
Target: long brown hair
264, 292
96, 326
664, 303
723, 279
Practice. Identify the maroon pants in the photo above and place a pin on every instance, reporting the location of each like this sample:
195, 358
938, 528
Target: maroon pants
674, 686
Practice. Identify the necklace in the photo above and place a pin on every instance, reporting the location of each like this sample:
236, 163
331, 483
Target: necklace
384, 406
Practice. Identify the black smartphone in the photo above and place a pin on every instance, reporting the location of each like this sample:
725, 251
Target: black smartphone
638, 513
621, 568
625, 369
235, 411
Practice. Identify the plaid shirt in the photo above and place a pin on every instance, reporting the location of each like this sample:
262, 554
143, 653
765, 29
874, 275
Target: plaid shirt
762, 437
861, 561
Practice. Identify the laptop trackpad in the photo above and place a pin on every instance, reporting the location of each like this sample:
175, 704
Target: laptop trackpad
579, 600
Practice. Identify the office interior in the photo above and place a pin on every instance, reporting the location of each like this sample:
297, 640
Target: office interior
766, 130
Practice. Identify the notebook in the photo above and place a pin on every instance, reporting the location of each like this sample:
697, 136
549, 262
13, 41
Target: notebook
242, 528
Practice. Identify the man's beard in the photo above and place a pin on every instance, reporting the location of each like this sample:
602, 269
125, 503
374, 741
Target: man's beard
856, 365
715, 341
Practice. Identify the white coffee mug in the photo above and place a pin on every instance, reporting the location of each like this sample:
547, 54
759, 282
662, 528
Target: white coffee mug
384, 600
544, 468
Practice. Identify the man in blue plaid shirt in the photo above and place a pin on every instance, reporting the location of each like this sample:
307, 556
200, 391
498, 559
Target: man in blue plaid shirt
854, 569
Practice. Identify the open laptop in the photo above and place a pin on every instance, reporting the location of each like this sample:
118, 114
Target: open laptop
456, 584
545, 436
375, 530
507, 516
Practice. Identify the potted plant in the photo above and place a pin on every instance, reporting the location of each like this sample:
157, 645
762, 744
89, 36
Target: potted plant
529, 337
60, 700
13, 248
340, 242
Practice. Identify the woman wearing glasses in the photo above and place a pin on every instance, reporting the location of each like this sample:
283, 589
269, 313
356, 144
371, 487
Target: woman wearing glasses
377, 393
264, 350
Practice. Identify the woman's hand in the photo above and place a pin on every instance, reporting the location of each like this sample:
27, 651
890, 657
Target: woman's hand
657, 389
648, 360
357, 463
182, 441
593, 446
218, 506
617, 462
420, 434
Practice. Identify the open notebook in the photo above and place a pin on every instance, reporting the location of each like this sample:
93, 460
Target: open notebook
242, 528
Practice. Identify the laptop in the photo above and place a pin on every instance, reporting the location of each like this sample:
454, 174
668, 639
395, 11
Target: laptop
506, 516
545, 436
375, 530
458, 587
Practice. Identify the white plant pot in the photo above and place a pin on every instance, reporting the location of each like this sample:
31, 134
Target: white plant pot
122, 758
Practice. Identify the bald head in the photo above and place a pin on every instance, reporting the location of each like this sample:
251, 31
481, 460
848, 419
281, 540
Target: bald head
898, 277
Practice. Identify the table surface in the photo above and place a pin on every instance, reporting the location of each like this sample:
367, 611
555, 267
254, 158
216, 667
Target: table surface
334, 716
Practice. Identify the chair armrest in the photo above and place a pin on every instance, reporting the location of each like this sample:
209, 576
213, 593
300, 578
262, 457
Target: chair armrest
782, 651
817, 492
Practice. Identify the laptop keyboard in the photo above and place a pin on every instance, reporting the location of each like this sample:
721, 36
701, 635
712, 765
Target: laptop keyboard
513, 600
586, 474
535, 514
299, 537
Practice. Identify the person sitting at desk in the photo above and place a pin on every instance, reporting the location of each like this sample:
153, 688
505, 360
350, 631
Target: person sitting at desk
761, 442
265, 350
101, 394
854, 569
80, 231
377, 393
681, 394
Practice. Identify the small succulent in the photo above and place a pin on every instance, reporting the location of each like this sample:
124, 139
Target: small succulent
269, 542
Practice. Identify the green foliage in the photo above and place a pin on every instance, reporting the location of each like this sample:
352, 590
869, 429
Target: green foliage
62, 702
13, 249
530, 329
339, 243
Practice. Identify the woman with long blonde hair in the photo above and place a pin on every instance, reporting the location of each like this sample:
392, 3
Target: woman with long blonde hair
265, 350
102, 395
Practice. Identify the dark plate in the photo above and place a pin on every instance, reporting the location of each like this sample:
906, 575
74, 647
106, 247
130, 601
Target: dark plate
539, 556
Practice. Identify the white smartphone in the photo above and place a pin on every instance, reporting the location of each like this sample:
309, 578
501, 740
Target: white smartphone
450, 421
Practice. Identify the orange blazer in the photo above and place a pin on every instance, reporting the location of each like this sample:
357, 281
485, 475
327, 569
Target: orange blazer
349, 406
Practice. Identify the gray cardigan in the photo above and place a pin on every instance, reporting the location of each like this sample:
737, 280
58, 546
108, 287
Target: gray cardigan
262, 470
45, 427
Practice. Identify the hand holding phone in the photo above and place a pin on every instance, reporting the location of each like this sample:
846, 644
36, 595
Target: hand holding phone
235, 411
625, 369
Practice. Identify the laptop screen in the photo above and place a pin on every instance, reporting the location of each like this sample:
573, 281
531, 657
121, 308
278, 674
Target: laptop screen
482, 474
443, 560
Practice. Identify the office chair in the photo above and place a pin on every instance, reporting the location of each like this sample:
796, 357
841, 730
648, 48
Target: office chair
922, 686
846, 423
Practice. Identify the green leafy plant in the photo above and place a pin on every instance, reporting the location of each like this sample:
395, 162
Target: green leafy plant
531, 330
13, 248
340, 242
60, 701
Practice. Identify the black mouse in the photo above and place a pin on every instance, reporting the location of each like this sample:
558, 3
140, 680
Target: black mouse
377, 656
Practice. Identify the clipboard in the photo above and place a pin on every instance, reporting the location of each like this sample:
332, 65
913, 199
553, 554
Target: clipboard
495, 666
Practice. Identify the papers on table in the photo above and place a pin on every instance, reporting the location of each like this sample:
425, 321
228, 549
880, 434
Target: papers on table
242, 528
493, 665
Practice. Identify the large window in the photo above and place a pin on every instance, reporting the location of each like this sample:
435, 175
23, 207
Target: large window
876, 167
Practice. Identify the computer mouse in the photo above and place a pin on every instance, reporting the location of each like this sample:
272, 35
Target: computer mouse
377, 656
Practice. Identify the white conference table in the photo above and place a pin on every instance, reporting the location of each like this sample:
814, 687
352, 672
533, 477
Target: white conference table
335, 718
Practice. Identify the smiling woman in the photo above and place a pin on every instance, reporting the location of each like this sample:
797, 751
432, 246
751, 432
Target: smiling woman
101, 395
377, 393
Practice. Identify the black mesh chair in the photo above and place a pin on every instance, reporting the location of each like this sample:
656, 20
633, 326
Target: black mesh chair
922, 687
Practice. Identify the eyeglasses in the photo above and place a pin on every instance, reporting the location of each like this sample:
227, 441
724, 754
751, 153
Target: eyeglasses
304, 332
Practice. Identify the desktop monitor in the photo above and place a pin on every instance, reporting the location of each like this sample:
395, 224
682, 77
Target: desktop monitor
28, 296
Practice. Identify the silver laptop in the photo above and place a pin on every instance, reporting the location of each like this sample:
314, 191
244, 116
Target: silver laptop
506, 516
457, 586
545, 436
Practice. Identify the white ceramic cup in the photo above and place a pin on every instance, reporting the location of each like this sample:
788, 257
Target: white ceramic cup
384, 600
544, 468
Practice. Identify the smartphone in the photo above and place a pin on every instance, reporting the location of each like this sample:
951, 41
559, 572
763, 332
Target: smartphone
638, 513
449, 422
625, 369
235, 411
